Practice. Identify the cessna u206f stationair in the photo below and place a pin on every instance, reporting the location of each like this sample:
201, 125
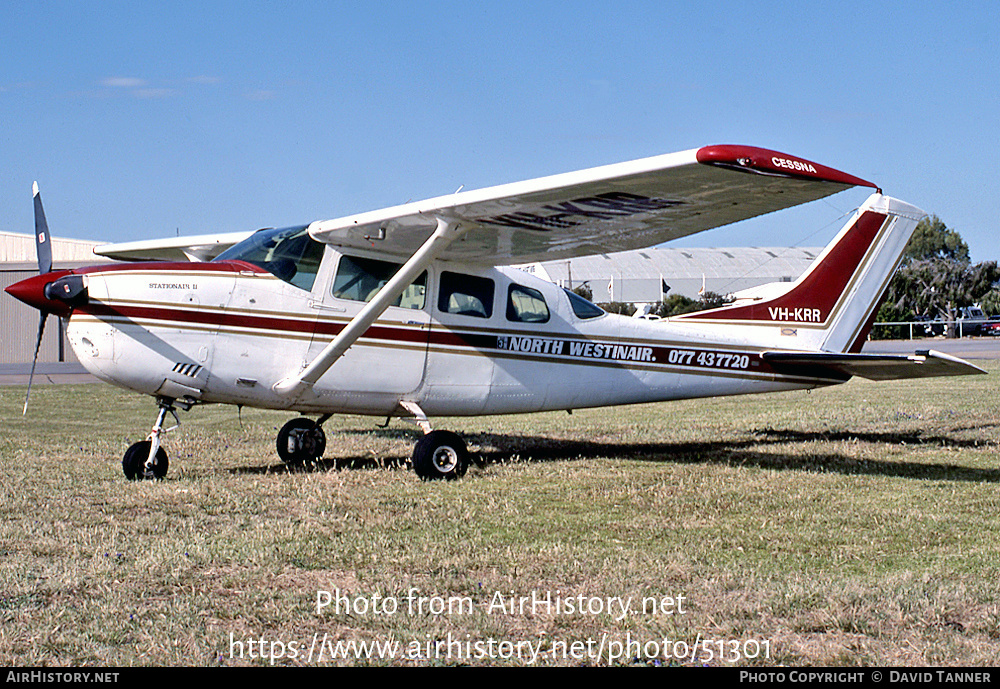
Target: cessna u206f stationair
414, 311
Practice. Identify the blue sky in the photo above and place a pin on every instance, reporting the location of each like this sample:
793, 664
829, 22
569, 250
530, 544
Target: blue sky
141, 120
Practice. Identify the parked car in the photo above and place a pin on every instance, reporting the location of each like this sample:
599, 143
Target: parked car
992, 326
931, 327
971, 320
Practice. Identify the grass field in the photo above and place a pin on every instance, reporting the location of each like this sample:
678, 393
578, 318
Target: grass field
854, 525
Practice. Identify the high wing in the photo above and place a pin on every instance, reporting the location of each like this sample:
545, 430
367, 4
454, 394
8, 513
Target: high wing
601, 210
203, 247
605, 209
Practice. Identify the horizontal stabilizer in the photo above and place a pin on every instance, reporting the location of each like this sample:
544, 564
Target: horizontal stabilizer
921, 364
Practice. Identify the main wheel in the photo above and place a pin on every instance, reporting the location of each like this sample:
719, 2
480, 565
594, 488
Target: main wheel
134, 462
301, 440
440, 455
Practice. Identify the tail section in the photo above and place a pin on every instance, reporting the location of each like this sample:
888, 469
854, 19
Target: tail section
833, 303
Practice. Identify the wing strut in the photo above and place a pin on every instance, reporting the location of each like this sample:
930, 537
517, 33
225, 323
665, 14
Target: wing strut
447, 231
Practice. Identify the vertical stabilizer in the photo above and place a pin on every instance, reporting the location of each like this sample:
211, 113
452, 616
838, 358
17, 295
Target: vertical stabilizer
837, 298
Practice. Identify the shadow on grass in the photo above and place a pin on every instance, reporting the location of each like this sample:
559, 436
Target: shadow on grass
502, 449
328, 464
748, 452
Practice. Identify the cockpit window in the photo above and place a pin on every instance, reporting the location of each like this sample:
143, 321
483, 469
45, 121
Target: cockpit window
288, 253
581, 307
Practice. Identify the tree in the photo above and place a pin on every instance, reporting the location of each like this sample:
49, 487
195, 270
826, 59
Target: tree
939, 287
676, 304
673, 305
991, 302
583, 290
625, 308
936, 278
933, 239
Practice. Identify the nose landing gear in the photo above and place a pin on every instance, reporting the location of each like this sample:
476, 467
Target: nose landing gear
146, 459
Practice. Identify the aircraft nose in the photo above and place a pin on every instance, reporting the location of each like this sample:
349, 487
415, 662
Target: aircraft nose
56, 292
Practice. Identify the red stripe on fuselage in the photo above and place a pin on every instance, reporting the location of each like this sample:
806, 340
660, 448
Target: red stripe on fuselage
175, 267
714, 362
242, 320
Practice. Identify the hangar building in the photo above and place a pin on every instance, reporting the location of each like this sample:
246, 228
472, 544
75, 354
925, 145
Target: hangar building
648, 275
19, 322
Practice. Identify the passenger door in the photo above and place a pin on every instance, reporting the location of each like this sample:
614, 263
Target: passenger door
389, 359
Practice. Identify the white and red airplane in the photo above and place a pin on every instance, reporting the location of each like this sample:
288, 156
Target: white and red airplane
415, 311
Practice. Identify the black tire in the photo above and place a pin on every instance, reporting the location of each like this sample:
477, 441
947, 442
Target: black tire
134, 462
440, 455
300, 441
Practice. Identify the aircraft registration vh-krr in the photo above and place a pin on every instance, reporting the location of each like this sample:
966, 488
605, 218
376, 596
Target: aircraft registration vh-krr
415, 311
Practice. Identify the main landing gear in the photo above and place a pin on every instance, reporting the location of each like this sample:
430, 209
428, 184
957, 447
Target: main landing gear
146, 459
302, 440
440, 455
437, 455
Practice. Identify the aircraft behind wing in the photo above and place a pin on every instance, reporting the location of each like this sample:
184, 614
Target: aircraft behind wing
415, 311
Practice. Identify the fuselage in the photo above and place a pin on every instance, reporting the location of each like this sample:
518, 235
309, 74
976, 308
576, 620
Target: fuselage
464, 340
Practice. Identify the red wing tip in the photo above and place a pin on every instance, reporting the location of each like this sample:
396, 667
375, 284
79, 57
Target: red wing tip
767, 162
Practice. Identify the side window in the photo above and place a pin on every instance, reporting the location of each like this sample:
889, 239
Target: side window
581, 307
526, 305
466, 295
360, 279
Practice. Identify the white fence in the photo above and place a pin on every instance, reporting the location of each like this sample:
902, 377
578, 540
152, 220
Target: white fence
889, 330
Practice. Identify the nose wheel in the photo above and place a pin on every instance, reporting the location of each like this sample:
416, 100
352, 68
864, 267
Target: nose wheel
146, 459
134, 462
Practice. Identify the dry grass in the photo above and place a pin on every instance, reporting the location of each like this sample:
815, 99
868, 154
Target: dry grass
848, 526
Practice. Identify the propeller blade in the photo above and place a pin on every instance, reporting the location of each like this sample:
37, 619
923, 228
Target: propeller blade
38, 345
43, 249
43, 243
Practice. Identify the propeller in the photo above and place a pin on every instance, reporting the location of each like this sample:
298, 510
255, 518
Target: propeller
43, 250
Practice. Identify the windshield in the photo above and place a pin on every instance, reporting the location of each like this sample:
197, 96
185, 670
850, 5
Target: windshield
288, 253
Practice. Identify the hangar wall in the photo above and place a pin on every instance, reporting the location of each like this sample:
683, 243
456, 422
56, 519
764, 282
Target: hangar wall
19, 322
